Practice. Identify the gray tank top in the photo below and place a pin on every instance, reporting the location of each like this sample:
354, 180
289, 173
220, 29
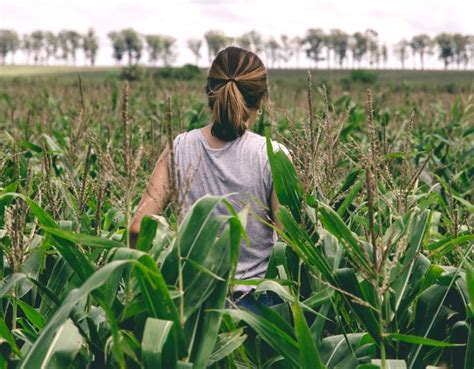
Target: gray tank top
240, 166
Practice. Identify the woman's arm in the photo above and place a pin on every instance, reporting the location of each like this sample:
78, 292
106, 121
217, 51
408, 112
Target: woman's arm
275, 205
154, 199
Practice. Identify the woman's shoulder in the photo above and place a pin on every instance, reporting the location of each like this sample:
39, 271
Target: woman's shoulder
186, 136
260, 142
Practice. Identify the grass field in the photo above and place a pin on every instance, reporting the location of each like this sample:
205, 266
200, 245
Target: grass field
462, 78
373, 269
32, 70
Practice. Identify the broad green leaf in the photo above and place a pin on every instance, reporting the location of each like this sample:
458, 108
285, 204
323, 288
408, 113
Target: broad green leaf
345, 352
419, 225
8, 337
10, 282
277, 258
334, 224
210, 314
38, 354
302, 244
195, 236
429, 308
319, 298
391, 364
200, 284
279, 340
408, 338
159, 345
184, 365
148, 227
469, 360
349, 198
348, 281
65, 347
84, 239
470, 283
308, 351
66, 248
157, 296
285, 179
58, 283
203, 269
32, 314
284, 294
445, 245
227, 343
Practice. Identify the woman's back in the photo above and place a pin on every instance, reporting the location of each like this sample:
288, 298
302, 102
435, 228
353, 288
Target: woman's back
225, 158
241, 166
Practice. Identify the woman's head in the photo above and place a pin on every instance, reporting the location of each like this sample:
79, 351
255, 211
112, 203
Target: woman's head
236, 87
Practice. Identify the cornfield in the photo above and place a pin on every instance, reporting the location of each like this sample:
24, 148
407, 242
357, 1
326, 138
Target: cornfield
373, 267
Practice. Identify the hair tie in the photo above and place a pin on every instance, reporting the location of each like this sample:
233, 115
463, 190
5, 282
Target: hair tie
231, 79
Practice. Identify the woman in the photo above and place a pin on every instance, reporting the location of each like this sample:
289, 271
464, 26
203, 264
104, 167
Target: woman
225, 157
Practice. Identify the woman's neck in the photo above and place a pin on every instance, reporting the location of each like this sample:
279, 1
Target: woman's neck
212, 141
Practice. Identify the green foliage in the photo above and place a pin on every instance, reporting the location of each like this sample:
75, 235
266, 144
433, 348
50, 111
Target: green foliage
186, 73
363, 76
353, 290
133, 72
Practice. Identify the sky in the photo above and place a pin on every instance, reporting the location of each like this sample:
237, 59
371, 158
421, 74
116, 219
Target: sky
185, 19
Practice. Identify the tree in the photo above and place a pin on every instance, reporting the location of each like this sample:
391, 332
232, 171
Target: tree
37, 44
297, 44
133, 45
384, 54
340, 42
373, 47
4, 44
154, 47
401, 50
314, 40
15, 44
161, 47
9, 44
118, 45
27, 46
358, 46
460, 44
195, 47
74, 42
328, 44
90, 45
216, 41
421, 45
272, 51
470, 48
251, 40
445, 43
257, 42
63, 45
286, 49
50, 45
244, 41
168, 54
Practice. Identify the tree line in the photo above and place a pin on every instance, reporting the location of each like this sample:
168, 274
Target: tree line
335, 48
43, 46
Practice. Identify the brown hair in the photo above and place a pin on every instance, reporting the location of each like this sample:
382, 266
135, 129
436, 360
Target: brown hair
236, 82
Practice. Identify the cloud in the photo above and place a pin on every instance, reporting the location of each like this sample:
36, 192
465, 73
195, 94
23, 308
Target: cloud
224, 15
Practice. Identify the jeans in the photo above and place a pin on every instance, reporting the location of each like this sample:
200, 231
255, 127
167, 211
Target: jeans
249, 301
